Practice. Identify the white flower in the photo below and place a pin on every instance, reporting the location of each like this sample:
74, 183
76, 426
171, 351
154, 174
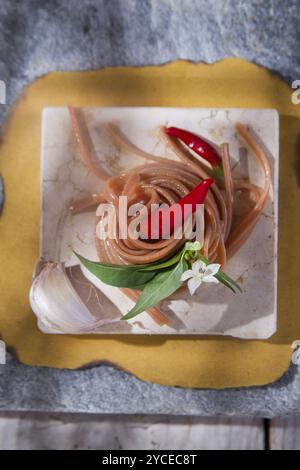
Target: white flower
199, 273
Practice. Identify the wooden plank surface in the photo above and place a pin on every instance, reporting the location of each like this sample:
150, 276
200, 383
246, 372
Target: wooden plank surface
285, 434
35, 431
96, 432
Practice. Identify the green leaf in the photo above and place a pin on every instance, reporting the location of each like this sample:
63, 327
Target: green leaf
157, 266
159, 288
157, 280
228, 281
141, 267
117, 276
163, 264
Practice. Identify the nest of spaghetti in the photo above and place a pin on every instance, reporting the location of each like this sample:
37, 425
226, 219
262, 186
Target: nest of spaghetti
231, 211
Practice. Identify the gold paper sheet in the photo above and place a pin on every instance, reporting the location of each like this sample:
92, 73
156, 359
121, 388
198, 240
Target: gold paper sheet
190, 362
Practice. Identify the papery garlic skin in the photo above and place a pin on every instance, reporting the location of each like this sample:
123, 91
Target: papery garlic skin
58, 306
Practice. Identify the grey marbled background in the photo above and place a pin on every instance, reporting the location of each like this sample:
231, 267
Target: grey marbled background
37, 36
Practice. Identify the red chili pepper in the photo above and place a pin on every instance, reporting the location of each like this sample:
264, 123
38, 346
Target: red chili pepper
163, 222
199, 146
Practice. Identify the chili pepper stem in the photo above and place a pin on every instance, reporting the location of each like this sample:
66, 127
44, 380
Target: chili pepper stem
218, 172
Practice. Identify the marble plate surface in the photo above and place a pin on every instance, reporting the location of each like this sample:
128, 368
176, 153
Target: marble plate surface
215, 310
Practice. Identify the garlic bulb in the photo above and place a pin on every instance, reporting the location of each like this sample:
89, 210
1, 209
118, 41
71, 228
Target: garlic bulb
66, 302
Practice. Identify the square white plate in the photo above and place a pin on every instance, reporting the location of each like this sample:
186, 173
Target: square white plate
216, 310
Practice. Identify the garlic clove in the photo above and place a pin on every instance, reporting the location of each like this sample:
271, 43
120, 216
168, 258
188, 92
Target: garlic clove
64, 301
